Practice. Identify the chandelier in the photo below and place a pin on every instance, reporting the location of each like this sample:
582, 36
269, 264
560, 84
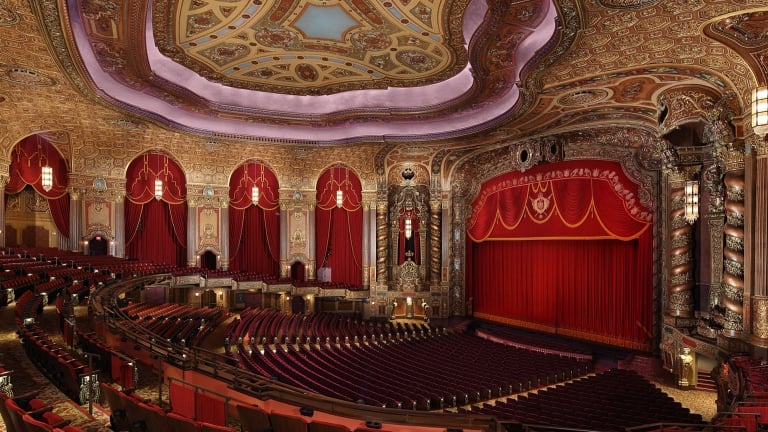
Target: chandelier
159, 181
339, 198
255, 195
46, 172
691, 201
47, 178
760, 111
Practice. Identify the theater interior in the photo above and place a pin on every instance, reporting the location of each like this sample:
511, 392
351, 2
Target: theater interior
397, 215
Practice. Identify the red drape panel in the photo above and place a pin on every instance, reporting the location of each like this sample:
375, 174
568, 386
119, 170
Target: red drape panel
155, 239
182, 399
211, 409
254, 230
565, 248
574, 199
27, 160
156, 230
339, 230
255, 252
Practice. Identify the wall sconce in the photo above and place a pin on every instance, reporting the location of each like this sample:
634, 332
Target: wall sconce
691, 201
760, 111
408, 228
339, 198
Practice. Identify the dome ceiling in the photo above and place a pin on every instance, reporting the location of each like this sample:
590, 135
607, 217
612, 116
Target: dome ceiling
321, 71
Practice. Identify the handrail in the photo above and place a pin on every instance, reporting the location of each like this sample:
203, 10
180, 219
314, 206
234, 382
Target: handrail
254, 385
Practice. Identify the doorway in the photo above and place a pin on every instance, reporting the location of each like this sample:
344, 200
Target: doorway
297, 271
208, 260
98, 245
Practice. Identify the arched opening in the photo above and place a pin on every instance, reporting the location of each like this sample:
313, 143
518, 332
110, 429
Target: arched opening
98, 245
297, 271
208, 260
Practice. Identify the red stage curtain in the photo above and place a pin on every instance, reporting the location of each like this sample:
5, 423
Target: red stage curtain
564, 248
27, 160
156, 230
339, 230
574, 199
254, 230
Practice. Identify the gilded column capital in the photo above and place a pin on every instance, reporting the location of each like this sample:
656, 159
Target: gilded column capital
381, 207
4, 179
758, 144
435, 206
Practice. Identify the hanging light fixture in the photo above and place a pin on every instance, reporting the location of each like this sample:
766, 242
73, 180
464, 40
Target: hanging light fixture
691, 201
255, 195
158, 184
760, 111
46, 172
408, 228
339, 198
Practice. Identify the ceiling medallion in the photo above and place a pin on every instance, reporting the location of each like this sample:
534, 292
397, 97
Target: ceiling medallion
24, 76
8, 16
583, 97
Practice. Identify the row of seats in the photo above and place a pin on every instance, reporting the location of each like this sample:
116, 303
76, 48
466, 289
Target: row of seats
63, 368
133, 413
611, 401
455, 369
27, 413
267, 326
176, 323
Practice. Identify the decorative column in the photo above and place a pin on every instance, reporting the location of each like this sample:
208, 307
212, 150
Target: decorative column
75, 220
191, 232
3, 181
224, 231
733, 251
758, 176
285, 267
369, 221
382, 243
119, 226
435, 231
311, 242
681, 264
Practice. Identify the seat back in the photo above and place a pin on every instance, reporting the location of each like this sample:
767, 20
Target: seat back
15, 414
33, 425
288, 422
253, 418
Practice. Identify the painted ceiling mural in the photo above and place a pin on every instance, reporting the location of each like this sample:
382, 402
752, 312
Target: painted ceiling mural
295, 47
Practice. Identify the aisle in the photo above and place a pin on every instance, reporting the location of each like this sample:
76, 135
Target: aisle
27, 378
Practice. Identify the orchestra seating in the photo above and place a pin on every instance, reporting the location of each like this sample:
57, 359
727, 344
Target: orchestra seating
610, 401
176, 323
453, 369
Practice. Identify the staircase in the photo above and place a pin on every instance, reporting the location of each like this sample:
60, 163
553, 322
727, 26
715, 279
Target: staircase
704, 382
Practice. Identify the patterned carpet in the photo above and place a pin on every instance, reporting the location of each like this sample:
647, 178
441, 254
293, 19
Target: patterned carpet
27, 378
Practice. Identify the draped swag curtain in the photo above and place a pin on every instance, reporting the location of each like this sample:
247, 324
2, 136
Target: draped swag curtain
254, 230
339, 230
156, 229
27, 162
565, 248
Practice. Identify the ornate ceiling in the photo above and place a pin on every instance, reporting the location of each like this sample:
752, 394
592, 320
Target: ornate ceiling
426, 81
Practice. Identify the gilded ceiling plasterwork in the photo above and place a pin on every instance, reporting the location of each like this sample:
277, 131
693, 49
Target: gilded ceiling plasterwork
317, 47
